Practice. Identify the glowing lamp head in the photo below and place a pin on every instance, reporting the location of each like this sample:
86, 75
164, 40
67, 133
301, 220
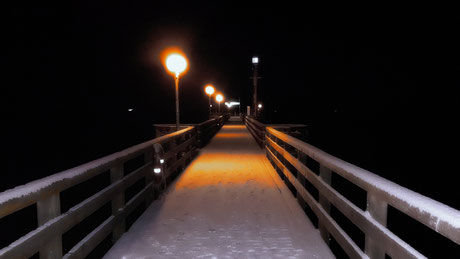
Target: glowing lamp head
209, 89
176, 63
219, 98
260, 105
157, 170
255, 60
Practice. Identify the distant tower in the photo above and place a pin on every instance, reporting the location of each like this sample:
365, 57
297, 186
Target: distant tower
255, 64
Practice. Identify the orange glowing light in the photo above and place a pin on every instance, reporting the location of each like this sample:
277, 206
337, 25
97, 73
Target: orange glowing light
231, 135
219, 98
209, 89
228, 162
175, 61
224, 170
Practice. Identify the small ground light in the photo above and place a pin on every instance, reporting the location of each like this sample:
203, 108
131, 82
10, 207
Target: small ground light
162, 161
130, 110
157, 170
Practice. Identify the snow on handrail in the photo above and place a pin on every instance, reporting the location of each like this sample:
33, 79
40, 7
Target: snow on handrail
439, 217
24, 195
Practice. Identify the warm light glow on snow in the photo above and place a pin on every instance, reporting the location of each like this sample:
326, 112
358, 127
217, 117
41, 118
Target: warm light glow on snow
227, 168
230, 135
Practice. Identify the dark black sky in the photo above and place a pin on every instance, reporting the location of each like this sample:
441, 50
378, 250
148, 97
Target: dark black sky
376, 84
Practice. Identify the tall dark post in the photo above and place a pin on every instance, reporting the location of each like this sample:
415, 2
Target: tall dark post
255, 63
177, 102
209, 106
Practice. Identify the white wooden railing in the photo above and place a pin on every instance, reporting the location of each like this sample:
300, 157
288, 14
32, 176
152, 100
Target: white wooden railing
163, 158
289, 155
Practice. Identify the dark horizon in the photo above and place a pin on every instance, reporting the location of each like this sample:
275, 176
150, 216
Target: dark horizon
377, 88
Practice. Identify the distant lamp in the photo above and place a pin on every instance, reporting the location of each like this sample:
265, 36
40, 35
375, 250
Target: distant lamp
209, 89
255, 60
219, 99
157, 170
259, 106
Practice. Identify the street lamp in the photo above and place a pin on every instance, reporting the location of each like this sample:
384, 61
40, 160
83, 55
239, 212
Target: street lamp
176, 63
219, 98
255, 77
259, 106
209, 90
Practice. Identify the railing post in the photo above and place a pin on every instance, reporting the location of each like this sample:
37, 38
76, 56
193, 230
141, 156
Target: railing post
302, 159
325, 174
148, 158
378, 210
158, 156
47, 209
118, 201
199, 140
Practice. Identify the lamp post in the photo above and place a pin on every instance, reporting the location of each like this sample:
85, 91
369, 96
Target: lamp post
219, 98
255, 76
209, 90
176, 64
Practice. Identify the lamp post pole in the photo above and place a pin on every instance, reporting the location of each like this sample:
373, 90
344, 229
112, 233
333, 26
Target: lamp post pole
209, 106
219, 99
177, 102
255, 63
176, 64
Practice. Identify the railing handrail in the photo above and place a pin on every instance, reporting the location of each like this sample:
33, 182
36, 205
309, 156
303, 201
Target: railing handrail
31, 191
438, 216
289, 156
163, 158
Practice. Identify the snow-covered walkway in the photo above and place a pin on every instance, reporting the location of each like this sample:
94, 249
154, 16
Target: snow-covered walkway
228, 203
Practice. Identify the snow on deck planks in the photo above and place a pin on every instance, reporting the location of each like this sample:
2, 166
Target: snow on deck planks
228, 203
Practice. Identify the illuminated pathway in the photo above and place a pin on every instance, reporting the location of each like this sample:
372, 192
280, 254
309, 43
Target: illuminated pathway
228, 203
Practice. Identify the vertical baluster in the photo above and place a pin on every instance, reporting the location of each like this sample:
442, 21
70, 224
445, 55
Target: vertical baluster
148, 157
302, 159
378, 210
325, 174
47, 209
198, 137
118, 201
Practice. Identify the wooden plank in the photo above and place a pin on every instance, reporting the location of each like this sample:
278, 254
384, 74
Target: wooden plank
325, 174
27, 245
118, 200
86, 245
396, 246
435, 215
48, 209
28, 194
92, 240
342, 238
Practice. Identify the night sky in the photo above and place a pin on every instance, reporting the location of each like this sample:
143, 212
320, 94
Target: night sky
375, 84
